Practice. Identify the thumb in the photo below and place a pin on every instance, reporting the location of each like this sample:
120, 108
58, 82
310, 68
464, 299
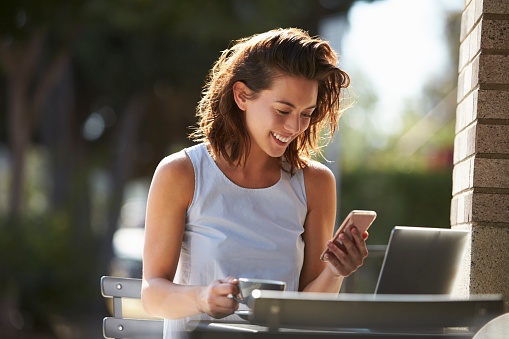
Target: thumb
230, 280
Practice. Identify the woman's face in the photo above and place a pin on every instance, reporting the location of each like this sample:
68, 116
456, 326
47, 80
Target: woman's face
277, 115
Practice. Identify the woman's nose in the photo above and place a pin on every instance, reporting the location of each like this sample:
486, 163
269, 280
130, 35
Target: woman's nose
292, 124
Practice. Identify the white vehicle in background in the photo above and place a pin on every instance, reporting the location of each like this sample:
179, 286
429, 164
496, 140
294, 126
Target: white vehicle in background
128, 238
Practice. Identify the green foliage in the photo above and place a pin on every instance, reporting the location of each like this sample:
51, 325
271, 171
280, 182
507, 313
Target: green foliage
400, 199
45, 266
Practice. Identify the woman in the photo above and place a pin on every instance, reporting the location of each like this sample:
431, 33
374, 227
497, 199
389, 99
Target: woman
247, 200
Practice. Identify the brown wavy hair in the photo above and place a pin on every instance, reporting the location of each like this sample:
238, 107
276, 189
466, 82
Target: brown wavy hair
256, 61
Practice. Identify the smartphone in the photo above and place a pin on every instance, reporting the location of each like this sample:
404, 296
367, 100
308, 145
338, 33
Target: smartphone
359, 218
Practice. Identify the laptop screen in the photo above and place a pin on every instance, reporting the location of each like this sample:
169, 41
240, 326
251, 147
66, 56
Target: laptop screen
421, 260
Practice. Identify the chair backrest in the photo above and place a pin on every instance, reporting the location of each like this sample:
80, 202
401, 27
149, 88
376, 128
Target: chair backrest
497, 328
118, 326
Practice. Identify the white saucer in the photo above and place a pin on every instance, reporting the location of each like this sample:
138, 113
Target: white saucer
244, 314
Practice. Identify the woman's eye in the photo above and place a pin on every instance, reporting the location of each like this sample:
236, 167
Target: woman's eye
282, 112
306, 115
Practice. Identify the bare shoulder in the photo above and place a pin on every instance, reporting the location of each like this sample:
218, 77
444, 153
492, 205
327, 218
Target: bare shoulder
176, 163
317, 174
320, 184
175, 174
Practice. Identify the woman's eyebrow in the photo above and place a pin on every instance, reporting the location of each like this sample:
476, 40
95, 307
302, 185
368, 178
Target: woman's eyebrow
292, 105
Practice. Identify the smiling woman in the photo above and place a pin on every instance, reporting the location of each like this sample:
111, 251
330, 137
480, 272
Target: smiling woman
293, 99
247, 201
256, 62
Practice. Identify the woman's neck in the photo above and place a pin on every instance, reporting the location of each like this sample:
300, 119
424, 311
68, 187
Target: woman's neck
257, 171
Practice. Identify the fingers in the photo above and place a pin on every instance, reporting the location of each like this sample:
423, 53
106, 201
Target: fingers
347, 254
215, 298
227, 287
230, 280
342, 255
360, 243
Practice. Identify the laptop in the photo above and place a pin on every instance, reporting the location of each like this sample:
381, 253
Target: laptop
421, 260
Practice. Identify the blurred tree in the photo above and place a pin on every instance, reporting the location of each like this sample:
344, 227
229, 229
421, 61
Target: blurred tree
32, 62
406, 177
427, 126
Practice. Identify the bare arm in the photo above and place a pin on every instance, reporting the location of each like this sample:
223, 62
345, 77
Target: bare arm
170, 195
316, 275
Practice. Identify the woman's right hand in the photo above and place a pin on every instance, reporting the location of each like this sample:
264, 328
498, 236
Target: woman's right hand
214, 298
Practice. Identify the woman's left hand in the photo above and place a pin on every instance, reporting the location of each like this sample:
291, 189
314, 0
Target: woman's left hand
346, 255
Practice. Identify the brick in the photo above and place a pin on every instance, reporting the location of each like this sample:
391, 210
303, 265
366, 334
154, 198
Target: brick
495, 7
475, 41
453, 215
464, 53
468, 79
494, 69
491, 139
495, 34
462, 176
462, 86
466, 112
465, 143
491, 173
493, 104
467, 20
484, 139
469, 47
478, 9
492, 208
470, 17
461, 208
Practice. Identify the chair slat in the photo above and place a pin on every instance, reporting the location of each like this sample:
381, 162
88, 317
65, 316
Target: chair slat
132, 328
121, 287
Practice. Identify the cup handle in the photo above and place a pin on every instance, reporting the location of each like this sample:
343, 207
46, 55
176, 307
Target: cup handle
236, 298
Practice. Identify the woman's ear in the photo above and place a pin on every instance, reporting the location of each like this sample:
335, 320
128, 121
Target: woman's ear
240, 94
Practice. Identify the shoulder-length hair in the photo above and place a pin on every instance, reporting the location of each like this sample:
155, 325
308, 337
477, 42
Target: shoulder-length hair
256, 61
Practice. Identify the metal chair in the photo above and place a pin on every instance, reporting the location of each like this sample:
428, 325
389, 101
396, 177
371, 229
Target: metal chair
118, 326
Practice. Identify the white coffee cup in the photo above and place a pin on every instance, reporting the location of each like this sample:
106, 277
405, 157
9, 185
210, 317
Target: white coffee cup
248, 285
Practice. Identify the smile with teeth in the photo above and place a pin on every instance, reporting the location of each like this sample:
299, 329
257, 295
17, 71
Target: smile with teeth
281, 138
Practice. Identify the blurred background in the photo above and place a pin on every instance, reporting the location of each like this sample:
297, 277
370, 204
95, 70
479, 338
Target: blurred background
93, 94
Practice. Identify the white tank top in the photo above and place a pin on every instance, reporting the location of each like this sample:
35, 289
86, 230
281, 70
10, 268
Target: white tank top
239, 232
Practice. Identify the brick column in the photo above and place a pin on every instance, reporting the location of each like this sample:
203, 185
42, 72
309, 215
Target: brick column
480, 200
